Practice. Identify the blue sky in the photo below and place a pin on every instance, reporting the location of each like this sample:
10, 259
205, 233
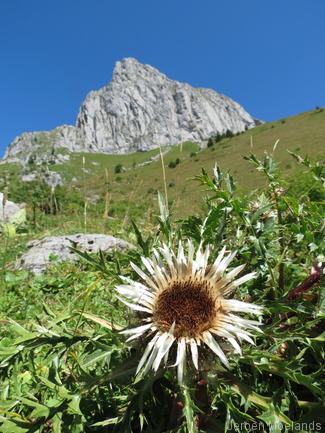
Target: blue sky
267, 55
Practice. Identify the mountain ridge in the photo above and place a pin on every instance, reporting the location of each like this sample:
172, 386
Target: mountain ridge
141, 176
139, 109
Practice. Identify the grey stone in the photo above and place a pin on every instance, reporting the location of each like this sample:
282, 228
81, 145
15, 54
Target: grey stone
93, 199
138, 110
61, 158
38, 256
44, 146
52, 179
29, 177
8, 209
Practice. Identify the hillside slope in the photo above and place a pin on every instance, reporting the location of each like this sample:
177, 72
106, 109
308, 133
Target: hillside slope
138, 182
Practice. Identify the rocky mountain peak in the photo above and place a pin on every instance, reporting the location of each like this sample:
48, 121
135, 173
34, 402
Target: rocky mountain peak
140, 109
129, 68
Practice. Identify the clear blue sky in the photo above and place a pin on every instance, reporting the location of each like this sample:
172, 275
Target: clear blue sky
267, 55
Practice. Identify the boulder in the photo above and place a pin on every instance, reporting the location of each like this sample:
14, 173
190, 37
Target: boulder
51, 178
8, 210
42, 252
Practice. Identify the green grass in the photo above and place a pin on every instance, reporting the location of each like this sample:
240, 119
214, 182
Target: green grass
65, 367
303, 134
96, 163
132, 193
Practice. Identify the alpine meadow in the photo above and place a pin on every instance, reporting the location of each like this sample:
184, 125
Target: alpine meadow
162, 266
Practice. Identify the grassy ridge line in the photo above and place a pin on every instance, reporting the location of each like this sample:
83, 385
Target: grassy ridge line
304, 134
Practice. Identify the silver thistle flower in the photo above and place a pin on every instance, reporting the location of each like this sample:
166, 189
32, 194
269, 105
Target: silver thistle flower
186, 301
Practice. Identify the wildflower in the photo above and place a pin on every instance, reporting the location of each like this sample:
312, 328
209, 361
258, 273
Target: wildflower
263, 206
279, 191
185, 301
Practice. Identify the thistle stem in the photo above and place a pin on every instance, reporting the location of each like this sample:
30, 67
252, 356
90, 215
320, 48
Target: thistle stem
203, 402
281, 280
308, 282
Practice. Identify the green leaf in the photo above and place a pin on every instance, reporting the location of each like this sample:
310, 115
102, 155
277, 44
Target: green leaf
188, 410
109, 421
143, 244
97, 356
163, 207
275, 420
101, 322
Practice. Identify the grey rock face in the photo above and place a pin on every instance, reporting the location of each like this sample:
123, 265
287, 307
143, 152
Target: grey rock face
29, 177
44, 145
51, 178
8, 209
140, 109
38, 257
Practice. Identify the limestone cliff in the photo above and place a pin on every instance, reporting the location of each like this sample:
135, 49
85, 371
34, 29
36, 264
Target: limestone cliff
138, 110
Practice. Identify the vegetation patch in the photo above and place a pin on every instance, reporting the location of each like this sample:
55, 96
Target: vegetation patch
66, 366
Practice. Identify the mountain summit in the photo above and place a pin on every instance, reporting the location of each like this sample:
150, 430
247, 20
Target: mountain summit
139, 109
